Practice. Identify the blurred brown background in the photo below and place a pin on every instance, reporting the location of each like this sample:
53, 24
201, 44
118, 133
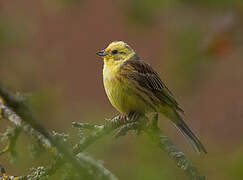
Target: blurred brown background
48, 47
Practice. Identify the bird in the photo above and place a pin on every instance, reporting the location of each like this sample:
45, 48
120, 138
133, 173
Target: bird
134, 87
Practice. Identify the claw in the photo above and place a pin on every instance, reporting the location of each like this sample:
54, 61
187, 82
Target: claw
133, 116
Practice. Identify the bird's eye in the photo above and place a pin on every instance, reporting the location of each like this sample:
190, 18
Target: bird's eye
114, 52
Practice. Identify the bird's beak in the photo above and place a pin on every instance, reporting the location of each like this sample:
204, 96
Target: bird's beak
102, 53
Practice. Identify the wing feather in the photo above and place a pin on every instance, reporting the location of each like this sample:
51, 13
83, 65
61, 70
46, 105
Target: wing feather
143, 73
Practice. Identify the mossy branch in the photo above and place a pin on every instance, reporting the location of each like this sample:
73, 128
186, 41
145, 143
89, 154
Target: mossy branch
20, 114
16, 110
139, 124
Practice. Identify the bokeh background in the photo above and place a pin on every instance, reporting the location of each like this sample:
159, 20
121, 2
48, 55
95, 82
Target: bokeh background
48, 47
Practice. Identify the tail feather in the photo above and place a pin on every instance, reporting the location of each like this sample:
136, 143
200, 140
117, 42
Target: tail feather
181, 125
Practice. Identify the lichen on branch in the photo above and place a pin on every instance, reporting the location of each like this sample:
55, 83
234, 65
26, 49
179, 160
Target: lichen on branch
139, 124
16, 109
71, 157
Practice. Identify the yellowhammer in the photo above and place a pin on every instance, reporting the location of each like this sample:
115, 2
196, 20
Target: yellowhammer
132, 86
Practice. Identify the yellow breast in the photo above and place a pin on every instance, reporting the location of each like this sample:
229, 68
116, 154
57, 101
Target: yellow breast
121, 93
111, 84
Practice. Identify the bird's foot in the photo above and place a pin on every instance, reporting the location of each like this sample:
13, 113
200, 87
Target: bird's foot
132, 122
133, 116
124, 117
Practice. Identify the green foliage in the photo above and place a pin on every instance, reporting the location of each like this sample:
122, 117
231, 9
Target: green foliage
10, 136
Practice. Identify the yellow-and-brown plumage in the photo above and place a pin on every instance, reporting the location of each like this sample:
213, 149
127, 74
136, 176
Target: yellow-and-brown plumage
132, 86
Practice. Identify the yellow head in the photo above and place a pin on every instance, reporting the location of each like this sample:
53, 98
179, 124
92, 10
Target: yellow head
117, 51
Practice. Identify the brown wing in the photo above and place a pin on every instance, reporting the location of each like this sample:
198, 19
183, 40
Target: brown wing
143, 73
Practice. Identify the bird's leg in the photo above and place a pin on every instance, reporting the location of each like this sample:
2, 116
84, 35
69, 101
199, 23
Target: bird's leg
131, 117
118, 117
123, 117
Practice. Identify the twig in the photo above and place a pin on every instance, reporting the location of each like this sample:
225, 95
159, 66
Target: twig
155, 134
100, 131
81, 162
97, 167
10, 135
165, 144
20, 124
21, 115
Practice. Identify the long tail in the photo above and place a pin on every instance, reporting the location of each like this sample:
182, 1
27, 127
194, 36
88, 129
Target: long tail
181, 125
